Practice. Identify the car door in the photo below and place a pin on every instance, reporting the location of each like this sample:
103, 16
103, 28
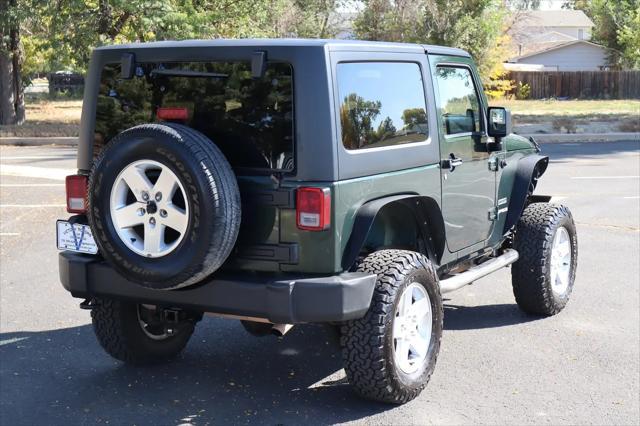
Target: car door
468, 186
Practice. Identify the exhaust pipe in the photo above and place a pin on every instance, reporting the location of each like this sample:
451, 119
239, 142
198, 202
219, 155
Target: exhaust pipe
474, 273
280, 329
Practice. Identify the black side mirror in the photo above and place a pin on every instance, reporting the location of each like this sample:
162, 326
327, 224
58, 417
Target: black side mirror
499, 122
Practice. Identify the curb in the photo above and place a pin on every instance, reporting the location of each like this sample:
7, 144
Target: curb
582, 137
39, 141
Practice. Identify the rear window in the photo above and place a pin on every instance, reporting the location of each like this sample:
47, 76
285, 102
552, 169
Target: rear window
249, 119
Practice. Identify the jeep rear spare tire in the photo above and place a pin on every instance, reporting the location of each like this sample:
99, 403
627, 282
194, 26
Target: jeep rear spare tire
164, 205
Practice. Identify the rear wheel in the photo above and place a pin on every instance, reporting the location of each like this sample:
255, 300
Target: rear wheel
390, 354
140, 334
547, 243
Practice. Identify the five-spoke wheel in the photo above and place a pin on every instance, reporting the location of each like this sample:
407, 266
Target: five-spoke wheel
412, 328
148, 208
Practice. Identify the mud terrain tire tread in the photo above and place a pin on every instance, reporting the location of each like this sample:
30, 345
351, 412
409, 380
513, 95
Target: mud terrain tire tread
368, 362
530, 274
116, 327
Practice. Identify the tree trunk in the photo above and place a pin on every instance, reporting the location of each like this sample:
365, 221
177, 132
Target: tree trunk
7, 100
11, 59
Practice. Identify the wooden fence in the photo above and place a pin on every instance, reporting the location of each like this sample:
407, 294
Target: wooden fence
580, 84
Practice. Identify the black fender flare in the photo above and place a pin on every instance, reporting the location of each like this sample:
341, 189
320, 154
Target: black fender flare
428, 218
523, 180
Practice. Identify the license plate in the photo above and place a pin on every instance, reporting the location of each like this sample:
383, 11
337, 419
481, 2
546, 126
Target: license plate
75, 237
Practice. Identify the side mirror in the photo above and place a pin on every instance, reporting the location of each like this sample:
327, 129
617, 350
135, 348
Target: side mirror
499, 122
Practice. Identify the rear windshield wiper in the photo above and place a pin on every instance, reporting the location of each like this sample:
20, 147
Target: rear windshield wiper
188, 73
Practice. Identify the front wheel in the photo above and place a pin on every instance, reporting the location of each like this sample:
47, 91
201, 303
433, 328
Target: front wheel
390, 354
140, 334
547, 243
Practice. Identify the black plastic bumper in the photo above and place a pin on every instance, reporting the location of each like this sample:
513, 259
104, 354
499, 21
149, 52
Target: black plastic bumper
288, 299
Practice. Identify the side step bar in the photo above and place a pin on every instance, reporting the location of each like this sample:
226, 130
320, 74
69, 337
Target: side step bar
474, 273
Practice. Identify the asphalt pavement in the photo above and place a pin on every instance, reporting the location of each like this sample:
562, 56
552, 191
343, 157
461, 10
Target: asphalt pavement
496, 366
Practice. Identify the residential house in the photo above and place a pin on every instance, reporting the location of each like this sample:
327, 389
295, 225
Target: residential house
555, 40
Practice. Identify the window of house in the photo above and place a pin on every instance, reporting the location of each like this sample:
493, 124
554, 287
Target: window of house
381, 104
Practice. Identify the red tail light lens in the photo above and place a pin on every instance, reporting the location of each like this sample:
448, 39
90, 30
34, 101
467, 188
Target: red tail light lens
313, 208
172, 113
76, 193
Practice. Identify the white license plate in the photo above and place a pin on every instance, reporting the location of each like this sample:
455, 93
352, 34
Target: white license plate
75, 237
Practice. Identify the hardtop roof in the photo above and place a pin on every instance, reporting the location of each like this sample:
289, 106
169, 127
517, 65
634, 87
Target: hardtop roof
334, 45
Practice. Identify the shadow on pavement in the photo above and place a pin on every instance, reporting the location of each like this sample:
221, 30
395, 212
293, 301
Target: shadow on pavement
224, 376
485, 316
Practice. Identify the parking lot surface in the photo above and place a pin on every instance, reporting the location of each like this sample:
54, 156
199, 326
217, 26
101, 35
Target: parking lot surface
497, 365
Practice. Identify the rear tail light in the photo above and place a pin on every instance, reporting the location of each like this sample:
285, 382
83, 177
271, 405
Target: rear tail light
313, 208
76, 193
172, 113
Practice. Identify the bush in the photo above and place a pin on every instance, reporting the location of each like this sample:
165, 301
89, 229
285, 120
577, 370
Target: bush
523, 91
566, 124
630, 125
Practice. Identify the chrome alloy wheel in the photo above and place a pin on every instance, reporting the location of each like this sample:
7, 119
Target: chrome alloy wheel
149, 209
560, 261
412, 328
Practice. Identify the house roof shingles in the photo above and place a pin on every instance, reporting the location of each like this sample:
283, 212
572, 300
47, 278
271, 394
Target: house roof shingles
556, 18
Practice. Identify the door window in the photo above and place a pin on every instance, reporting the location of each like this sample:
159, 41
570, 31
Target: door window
381, 104
459, 101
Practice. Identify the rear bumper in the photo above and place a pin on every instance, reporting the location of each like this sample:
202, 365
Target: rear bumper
285, 299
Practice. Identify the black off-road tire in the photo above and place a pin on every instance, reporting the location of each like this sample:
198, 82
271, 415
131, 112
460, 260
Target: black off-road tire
116, 325
530, 275
367, 343
211, 192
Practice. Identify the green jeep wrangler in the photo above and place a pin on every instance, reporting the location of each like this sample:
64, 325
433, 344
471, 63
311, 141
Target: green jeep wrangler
280, 182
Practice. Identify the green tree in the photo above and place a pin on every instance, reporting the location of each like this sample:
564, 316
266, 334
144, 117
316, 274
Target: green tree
386, 129
413, 116
356, 117
62, 34
474, 25
617, 26
387, 20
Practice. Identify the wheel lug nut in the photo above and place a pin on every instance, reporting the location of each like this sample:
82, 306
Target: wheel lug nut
152, 221
140, 212
158, 196
145, 195
163, 213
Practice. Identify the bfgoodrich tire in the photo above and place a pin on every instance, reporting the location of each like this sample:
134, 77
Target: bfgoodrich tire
390, 354
545, 272
164, 205
125, 331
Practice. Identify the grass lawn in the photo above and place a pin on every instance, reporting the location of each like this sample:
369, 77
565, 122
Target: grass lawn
47, 117
572, 108
601, 110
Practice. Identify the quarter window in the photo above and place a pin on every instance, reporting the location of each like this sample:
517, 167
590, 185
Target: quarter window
381, 104
459, 102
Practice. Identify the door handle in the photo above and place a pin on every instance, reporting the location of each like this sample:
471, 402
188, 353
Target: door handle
451, 163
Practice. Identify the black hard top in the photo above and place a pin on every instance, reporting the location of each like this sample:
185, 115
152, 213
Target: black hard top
333, 45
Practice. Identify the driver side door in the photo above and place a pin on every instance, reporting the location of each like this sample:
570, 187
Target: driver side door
468, 186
